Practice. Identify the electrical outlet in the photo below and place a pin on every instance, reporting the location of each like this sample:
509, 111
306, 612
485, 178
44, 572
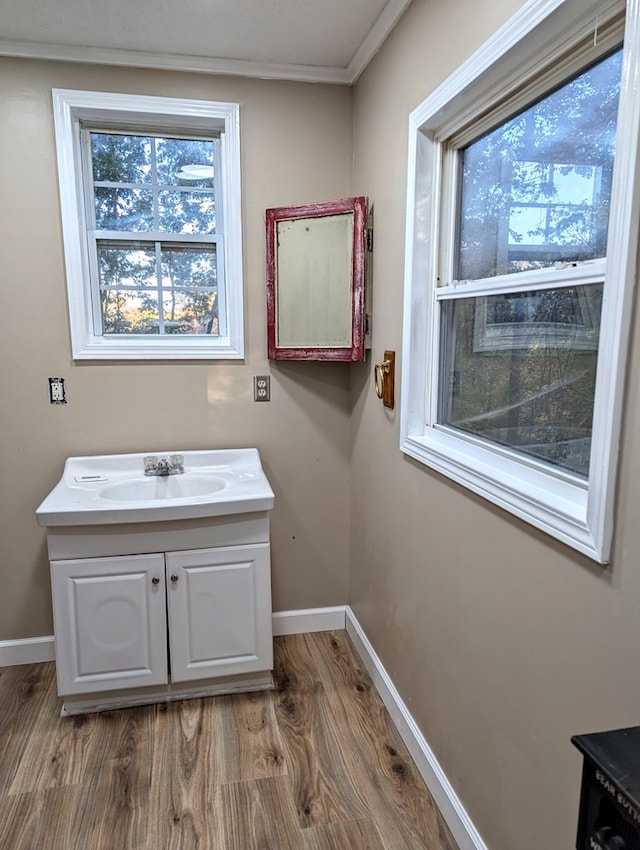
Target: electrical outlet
57, 394
261, 388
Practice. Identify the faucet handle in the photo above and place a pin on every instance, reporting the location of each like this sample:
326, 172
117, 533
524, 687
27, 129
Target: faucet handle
176, 463
150, 464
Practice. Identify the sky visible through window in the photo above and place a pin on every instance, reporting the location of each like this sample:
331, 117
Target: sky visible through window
534, 220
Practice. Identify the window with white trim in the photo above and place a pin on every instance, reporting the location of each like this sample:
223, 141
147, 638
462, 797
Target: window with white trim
521, 242
150, 201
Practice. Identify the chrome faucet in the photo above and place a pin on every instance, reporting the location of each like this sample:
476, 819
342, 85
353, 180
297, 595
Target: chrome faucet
173, 465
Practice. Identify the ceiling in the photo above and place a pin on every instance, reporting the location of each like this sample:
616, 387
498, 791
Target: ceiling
312, 40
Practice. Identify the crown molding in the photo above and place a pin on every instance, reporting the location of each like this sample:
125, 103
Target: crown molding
389, 17
172, 62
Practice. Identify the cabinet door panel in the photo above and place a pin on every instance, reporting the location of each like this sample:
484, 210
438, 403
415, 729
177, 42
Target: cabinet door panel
219, 603
110, 623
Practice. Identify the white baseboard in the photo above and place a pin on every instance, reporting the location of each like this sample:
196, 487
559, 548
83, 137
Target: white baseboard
454, 813
309, 620
39, 649
33, 650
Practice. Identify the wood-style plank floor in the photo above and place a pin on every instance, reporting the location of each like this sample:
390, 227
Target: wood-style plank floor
313, 765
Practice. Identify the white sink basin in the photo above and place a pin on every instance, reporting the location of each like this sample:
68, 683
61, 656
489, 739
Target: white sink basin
162, 487
109, 489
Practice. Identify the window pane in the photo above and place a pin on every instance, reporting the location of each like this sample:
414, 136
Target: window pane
519, 370
191, 303
185, 162
126, 264
123, 209
187, 212
129, 312
536, 190
121, 159
189, 267
190, 312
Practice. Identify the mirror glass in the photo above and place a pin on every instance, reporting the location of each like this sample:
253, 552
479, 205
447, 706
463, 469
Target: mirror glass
314, 261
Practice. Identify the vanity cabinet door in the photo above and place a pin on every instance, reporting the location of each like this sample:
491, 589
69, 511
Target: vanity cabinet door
219, 603
110, 623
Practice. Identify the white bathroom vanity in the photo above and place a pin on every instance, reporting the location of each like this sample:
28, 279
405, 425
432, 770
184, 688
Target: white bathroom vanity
161, 584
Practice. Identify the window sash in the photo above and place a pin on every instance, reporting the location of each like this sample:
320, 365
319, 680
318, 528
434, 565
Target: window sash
97, 287
570, 274
582, 274
154, 187
486, 371
496, 158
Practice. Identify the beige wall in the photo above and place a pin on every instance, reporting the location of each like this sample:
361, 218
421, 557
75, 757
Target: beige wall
502, 642
296, 144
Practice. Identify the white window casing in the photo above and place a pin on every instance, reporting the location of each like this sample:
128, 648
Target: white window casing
75, 109
539, 48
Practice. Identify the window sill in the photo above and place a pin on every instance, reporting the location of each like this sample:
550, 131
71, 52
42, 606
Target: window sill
554, 502
174, 348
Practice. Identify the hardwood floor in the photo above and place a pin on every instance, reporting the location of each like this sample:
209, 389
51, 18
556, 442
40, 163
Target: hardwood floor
313, 765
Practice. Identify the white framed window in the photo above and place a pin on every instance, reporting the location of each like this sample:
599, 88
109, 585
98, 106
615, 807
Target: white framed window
522, 220
150, 197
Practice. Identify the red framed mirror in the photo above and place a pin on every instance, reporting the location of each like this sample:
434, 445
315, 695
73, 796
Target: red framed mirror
316, 281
